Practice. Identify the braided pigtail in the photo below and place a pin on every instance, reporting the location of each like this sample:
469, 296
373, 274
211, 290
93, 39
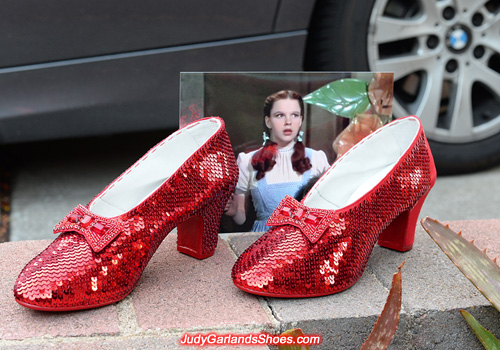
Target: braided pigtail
264, 159
300, 162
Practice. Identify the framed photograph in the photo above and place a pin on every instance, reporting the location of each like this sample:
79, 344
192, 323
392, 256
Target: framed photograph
331, 100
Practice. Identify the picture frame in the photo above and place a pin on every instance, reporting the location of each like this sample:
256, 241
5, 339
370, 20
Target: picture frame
238, 98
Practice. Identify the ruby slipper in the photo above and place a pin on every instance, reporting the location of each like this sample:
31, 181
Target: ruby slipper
321, 245
184, 182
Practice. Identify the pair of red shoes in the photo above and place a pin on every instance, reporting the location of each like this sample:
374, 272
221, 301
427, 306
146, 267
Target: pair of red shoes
315, 247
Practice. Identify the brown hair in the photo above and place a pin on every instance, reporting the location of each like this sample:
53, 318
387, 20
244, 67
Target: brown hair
264, 159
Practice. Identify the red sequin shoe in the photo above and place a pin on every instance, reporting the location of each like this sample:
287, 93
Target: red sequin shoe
321, 245
184, 182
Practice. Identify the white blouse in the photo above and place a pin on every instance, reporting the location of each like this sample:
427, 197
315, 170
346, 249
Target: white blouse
281, 172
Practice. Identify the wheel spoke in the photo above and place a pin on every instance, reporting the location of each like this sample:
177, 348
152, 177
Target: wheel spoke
487, 77
428, 110
469, 5
493, 45
432, 10
402, 66
440, 5
461, 121
391, 29
493, 30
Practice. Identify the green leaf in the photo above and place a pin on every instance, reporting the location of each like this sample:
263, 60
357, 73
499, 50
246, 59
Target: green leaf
387, 324
472, 262
485, 337
344, 97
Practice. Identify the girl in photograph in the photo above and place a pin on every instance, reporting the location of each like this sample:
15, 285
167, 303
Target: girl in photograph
283, 166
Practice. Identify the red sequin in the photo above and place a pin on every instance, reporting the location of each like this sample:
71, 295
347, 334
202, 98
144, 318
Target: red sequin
327, 251
97, 261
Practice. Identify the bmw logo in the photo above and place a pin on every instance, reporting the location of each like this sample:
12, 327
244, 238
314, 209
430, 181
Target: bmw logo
458, 38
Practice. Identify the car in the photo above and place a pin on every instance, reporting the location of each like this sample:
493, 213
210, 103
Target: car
72, 68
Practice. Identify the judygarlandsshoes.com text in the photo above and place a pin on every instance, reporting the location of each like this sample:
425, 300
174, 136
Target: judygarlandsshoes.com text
247, 339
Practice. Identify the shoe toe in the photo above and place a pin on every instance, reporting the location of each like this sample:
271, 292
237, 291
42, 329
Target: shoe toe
284, 263
67, 275
275, 265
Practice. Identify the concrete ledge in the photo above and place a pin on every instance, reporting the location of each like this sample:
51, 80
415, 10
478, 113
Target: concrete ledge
179, 294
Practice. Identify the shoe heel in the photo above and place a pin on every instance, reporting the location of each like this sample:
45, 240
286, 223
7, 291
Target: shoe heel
198, 235
400, 234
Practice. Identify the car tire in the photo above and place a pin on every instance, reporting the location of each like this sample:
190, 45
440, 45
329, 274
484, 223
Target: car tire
346, 36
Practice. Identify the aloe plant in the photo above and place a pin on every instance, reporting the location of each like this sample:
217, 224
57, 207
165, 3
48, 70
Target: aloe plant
485, 337
483, 272
385, 328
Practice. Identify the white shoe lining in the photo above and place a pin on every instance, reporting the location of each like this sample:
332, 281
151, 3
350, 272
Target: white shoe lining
363, 166
153, 169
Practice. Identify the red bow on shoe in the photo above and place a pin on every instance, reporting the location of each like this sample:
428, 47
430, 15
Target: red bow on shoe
98, 231
311, 221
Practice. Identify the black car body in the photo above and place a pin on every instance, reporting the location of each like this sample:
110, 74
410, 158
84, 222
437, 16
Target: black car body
76, 68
